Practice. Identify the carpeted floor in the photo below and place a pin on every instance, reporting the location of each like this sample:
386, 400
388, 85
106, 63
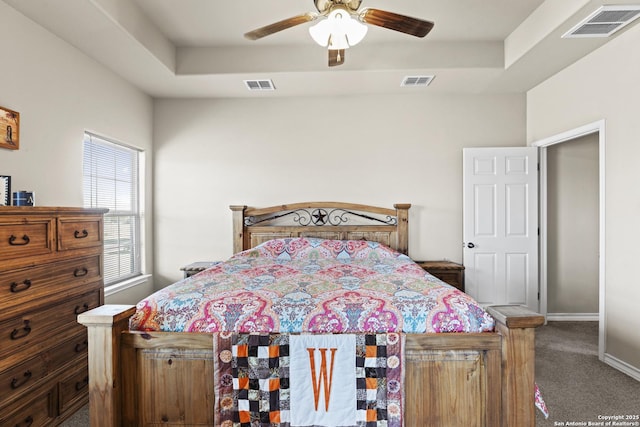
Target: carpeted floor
576, 386
79, 419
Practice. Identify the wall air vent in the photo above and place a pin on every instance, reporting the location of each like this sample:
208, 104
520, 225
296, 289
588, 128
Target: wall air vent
259, 85
417, 81
605, 21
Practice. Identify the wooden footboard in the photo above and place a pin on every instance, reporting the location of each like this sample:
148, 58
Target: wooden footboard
150, 379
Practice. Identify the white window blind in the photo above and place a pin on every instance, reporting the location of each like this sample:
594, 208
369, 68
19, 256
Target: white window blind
111, 180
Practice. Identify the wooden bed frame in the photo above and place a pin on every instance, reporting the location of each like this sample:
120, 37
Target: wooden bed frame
162, 378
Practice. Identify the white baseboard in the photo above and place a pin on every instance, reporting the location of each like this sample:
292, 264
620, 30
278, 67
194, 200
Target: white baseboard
573, 317
621, 366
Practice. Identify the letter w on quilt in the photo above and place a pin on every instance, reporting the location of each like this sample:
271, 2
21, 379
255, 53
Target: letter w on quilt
309, 380
322, 380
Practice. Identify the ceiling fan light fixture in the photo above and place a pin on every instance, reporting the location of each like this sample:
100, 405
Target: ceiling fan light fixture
338, 31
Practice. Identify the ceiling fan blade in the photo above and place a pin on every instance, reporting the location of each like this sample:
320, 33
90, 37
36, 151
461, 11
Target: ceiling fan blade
393, 21
280, 25
336, 57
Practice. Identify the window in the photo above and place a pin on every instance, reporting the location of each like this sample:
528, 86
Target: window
111, 180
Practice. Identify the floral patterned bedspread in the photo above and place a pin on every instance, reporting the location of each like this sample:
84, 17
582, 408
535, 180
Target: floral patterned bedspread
312, 285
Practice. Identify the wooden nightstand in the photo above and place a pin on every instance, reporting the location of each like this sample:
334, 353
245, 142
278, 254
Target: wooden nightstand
447, 271
197, 267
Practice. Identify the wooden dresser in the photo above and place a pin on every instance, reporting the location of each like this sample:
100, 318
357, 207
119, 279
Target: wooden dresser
50, 271
447, 271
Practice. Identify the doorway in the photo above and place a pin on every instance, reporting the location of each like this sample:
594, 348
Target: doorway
551, 271
572, 223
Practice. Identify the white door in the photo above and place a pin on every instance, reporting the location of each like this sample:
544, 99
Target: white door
500, 229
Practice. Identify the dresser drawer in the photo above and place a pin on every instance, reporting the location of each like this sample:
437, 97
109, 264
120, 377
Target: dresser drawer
74, 388
73, 351
19, 378
25, 236
21, 288
32, 329
38, 411
77, 233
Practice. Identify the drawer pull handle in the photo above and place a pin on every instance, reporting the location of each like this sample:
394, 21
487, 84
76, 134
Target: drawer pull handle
25, 240
82, 346
16, 334
19, 287
15, 383
79, 272
82, 384
80, 234
27, 422
81, 308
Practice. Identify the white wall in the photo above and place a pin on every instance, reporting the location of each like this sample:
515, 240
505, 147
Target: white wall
573, 239
604, 85
59, 93
376, 150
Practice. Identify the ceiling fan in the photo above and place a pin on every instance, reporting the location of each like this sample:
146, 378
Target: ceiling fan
342, 25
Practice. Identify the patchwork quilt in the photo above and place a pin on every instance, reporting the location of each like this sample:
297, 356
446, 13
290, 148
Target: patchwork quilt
309, 380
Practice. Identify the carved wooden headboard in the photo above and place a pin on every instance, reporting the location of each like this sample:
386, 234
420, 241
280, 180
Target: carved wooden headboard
327, 220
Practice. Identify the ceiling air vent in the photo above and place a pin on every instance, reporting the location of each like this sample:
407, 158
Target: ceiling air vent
417, 81
259, 85
605, 21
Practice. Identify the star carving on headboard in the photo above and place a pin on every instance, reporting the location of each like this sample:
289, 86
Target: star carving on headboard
319, 217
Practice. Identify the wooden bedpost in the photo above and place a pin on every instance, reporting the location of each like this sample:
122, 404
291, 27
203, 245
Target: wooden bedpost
402, 210
238, 227
517, 326
104, 326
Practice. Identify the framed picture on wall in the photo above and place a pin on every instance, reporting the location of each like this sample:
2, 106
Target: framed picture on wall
9, 129
5, 190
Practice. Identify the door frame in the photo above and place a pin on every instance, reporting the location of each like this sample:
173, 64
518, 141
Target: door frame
588, 129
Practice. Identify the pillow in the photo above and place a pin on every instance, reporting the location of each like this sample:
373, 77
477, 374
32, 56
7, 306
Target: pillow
306, 247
